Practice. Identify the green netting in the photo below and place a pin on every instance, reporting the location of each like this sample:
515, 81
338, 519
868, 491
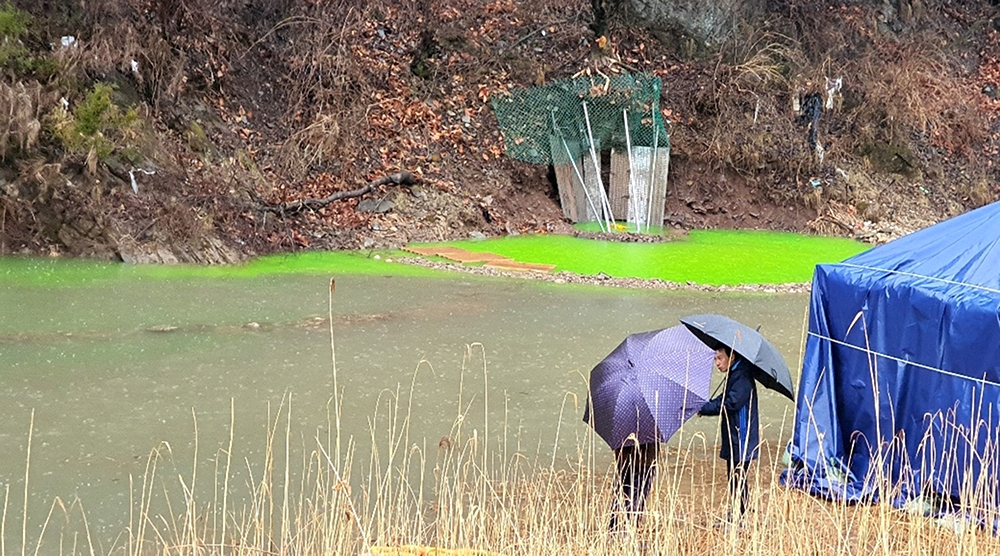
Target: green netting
547, 125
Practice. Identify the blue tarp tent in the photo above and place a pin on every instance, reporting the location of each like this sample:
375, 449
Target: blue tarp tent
900, 383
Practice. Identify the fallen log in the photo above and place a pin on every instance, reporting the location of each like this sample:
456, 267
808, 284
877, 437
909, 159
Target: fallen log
401, 178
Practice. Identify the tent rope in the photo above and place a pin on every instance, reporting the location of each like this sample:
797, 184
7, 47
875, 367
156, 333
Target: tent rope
913, 363
914, 275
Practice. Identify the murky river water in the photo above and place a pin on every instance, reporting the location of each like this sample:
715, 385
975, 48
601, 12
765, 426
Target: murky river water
116, 368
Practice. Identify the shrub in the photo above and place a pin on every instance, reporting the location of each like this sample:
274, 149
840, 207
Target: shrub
13, 54
97, 126
13, 25
13, 22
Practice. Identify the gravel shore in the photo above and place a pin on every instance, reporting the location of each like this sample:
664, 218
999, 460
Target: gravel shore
602, 279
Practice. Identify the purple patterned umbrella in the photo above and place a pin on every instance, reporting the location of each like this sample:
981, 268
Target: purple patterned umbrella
649, 385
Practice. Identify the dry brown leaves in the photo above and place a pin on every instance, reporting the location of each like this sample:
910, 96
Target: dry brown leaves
419, 134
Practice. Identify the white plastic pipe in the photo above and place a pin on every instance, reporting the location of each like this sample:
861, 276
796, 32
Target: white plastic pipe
597, 168
634, 199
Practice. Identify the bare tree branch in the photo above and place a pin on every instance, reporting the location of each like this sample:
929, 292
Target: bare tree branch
401, 178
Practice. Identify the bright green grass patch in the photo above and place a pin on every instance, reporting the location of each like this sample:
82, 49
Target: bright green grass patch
712, 257
76, 272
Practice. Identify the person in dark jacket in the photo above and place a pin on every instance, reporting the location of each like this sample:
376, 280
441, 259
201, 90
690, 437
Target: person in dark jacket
740, 425
636, 472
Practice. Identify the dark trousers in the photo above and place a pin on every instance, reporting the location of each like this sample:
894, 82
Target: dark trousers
739, 490
636, 472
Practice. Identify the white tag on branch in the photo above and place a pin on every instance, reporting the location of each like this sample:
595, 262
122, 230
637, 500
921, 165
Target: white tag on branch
131, 175
833, 87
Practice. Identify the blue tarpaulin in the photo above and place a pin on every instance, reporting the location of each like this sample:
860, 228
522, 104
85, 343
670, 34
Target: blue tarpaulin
900, 388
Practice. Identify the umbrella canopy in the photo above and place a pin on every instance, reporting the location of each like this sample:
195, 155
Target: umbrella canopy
769, 367
648, 386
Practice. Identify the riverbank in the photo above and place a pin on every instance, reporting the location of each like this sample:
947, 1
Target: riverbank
566, 277
265, 140
701, 260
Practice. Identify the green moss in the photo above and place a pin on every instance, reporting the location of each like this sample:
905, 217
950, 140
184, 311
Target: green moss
131, 155
245, 161
197, 139
892, 158
14, 55
13, 25
43, 68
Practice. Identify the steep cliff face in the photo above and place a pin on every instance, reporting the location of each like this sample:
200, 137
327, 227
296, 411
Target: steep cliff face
195, 131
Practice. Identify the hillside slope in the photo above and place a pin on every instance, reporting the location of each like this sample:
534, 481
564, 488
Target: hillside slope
192, 131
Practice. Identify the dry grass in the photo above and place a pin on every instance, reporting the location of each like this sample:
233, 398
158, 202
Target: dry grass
911, 88
478, 490
908, 103
472, 493
19, 117
745, 113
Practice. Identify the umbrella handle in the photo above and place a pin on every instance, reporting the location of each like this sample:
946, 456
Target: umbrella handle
717, 388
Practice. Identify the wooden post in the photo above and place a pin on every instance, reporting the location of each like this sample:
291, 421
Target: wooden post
618, 191
592, 185
566, 176
659, 186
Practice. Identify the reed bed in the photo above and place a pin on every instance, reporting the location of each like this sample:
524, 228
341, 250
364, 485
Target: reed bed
478, 491
472, 494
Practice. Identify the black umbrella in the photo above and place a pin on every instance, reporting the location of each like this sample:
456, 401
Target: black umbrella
769, 367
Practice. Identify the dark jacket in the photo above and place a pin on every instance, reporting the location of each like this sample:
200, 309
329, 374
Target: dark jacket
738, 406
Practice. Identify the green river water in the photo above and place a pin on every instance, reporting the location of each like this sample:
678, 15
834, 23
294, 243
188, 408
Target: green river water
113, 361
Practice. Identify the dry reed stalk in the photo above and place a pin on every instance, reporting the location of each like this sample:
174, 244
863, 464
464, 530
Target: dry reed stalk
551, 513
487, 497
548, 510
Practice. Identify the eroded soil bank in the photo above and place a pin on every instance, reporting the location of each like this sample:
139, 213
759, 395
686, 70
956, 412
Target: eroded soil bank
191, 132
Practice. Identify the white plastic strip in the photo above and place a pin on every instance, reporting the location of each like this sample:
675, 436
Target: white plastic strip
907, 362
652, 178
605, 204
633, 190
914, 275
